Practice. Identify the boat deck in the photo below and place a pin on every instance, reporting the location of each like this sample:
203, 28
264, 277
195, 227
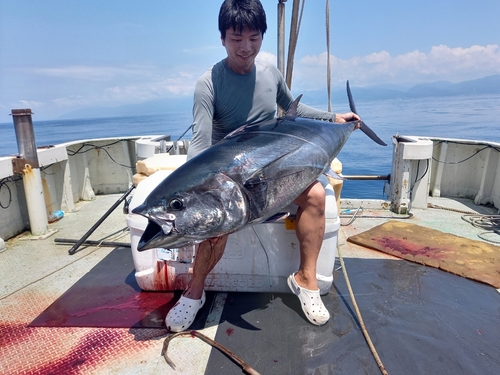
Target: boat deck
414, 328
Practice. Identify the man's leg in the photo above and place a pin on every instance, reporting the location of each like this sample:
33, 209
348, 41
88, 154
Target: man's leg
310, 229
181, 316
207, 254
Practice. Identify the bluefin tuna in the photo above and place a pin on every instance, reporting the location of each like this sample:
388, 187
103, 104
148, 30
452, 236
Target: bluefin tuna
244, 179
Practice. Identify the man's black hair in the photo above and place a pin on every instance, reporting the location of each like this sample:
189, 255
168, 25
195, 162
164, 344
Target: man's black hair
238, 14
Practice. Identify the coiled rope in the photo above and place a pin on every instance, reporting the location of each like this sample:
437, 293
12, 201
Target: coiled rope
489, 222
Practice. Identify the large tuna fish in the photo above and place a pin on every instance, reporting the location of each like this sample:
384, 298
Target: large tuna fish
246, 178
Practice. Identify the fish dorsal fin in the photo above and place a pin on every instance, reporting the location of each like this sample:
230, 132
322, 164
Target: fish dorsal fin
292, 111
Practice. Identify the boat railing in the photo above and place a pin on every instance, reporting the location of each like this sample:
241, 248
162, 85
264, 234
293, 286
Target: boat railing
72, 172
425, 167
422, 167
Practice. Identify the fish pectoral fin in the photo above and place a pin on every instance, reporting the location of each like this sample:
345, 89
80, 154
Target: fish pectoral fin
331, 173
253, 182
256, 188
270, 169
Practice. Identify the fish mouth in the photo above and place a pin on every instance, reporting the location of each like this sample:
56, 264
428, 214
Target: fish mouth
151, 232
158, 230
157, 235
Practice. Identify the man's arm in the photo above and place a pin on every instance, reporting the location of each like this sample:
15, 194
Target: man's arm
203, 114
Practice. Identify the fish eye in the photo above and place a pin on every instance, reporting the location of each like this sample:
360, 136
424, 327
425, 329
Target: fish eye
176, 204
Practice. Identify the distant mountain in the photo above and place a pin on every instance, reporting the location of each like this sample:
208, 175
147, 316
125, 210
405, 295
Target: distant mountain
486, 85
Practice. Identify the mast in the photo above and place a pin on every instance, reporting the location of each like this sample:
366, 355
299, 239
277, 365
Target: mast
281, 36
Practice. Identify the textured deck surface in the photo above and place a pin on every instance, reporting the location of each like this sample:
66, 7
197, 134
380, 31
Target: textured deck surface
415, 314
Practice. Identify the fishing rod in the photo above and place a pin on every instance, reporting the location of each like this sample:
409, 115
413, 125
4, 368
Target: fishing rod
183, 134
82, 240
78, 243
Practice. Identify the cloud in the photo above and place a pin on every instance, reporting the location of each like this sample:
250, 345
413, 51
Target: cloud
98, 73
267, 57
75, 86
30, 104
127, 84
440, 63
121, 85
178, 85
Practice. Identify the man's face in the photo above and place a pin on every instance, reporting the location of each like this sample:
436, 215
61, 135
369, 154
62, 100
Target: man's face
242, 48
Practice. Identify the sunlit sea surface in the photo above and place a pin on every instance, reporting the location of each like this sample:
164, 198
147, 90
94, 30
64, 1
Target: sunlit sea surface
464, 117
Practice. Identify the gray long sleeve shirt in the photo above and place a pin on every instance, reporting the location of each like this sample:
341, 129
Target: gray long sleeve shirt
225, 100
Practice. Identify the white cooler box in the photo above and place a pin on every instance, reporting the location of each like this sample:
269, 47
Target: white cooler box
256, 259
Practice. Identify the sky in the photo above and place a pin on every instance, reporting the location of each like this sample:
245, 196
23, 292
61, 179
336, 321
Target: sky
57, 55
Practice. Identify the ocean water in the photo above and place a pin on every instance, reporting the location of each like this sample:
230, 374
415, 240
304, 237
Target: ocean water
465, 117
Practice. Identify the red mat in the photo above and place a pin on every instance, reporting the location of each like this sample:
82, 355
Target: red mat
108, 296
461, 256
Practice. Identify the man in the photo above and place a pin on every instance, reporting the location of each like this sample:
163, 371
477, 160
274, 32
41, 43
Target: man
236, 91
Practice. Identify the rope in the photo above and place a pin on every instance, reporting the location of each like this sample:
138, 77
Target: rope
482, 236
360, 208
430, 205
353, 216
489, 222
360, 318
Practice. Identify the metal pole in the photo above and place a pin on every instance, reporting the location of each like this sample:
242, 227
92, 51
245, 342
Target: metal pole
281, 36
368, 177
281, 43
293, 42
93, 242
29, 167
328, 69
25, 136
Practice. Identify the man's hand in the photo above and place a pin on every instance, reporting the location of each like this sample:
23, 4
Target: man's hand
346, 117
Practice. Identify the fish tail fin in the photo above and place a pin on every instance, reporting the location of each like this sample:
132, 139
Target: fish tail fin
370, 133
